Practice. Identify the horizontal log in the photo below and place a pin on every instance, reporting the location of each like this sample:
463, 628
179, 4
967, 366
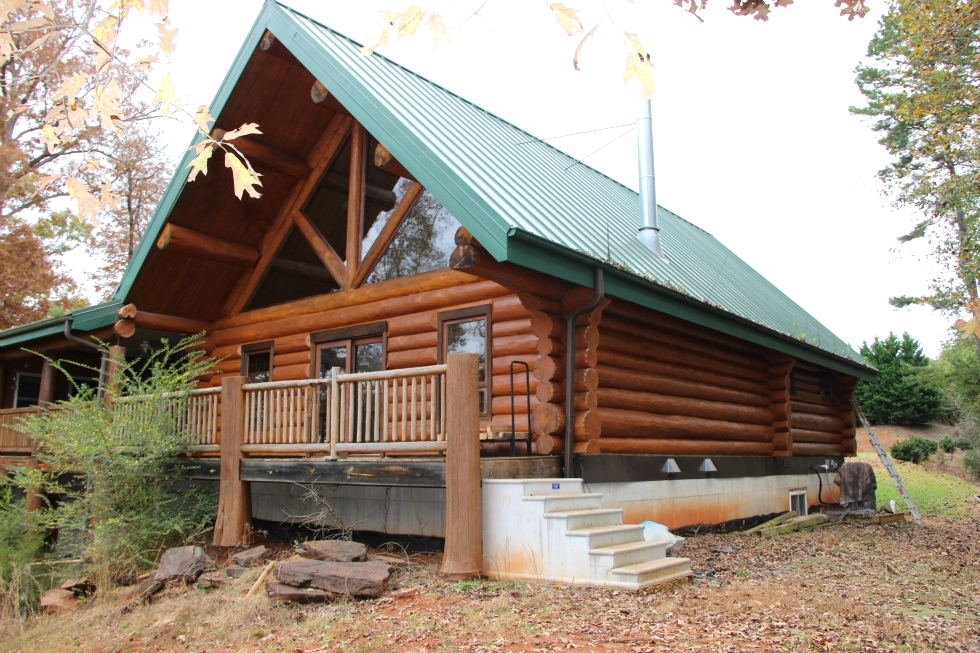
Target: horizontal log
586, 380
546, 325
516, 345
803, 436
811, 398
690, 340
158, 321
360, 313
548, 418
500, 403
182, 240
799, 407
612, 377
809, 449
849, 446
412, 358
475, 260
291, 372
291, 358
539, 303
359, 447
501, 385
503, 420
501, 364
383, 197
683, 406
783, 441
623, 344
780, 411
586, 337
521, 325
781, 425
413, 341
267, 157
617, 422
508, 307
825, 423
125, 328
548, 444
631, 362
413, 323
673, 447
384, 160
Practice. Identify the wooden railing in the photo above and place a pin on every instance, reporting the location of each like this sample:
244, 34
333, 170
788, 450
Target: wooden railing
12, 439
368, 412
195, 414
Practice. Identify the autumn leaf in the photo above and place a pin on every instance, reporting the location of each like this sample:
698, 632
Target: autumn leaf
567, 18
167, 36
88, 205
203, 119
581, 44
107, 104
200, 163
407, 22
638, 66
244, 130
166, 97
438, 28
159, 7
43, 181
50, 138
109, 200
105, 32
244, 178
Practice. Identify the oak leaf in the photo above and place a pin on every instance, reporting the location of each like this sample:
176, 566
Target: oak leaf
638, 66
439, 32
105, 32
166, 97
199, 164
244, 130
244, 177
107, 104
567, 18
203, 119
159, 7
407, 22
167, 37
50, 138
88, 205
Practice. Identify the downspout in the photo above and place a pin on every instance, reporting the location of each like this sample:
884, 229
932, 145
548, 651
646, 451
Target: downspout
102, 350
600, 294
649, 233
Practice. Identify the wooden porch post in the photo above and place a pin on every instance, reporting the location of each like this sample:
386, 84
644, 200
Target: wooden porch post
113, 370
463, 556
234, 496
45, 396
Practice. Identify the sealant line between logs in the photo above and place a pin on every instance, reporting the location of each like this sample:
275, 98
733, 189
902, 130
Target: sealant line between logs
600, 294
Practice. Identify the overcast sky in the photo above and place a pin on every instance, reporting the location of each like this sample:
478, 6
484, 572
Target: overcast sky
753, 138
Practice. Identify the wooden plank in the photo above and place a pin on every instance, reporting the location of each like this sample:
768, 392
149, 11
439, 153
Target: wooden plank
408, 473
355, 203
182, 240
234, 501
797, 524
775, 521
330, 259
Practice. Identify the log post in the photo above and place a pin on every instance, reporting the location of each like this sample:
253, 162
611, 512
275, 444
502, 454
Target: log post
234, 501
463, 556
113, 373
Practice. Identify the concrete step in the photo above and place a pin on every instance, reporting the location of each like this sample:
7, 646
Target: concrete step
565, 501
630, 553
552, 486
599, 537
654, 572
578, 519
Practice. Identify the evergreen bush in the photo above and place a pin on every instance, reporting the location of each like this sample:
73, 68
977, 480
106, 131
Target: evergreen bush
914, 449
900, 394
947, 444
971, 461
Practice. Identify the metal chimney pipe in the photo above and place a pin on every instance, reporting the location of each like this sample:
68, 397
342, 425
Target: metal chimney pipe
649, 233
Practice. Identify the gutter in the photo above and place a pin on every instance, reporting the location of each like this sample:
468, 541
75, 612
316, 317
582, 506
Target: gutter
600, 294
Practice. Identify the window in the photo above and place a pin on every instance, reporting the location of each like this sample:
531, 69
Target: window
28, 390
257, 362
798, 502
354, 349
467, 331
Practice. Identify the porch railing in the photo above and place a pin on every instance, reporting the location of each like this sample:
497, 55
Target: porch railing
12, 439
369, 412
194, 413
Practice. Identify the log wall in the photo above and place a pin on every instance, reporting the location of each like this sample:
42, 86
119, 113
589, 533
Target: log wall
822, 422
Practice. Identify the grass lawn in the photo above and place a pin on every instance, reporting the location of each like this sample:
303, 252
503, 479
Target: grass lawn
935, 494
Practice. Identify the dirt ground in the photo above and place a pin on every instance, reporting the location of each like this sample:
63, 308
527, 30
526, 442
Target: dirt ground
851, 586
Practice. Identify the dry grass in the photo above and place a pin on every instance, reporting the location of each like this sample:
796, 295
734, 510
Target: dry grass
844, 587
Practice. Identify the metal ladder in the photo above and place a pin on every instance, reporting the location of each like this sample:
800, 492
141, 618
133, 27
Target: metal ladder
887, 462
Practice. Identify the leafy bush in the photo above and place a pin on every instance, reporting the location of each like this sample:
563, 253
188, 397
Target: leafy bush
18, 545
116, 465
971, 461
964, 444
914, 450
947, 444
900, 394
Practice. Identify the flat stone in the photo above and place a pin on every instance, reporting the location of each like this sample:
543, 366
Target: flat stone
79, 587
183, 563
249, 556
212, 579
235, 571
359, 579
57, 601
143, 593
282, 592
335, 550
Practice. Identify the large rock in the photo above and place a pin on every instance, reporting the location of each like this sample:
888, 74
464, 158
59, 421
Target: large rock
141, 594
335, 550
283, 592
57, 601
212, 579
247, 557
184, 563
359, 579
235, 571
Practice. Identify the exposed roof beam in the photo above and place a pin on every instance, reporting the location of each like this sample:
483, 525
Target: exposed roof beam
303, 269
194, 243
386, 198
387, 233
131, 317
270, 157
384, 160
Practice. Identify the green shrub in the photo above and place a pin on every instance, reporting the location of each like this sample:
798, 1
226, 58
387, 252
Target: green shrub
964, 444
900, 394
971, 461
947, 444
914, 450
18, 545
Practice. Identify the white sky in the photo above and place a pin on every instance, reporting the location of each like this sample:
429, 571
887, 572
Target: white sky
753, 138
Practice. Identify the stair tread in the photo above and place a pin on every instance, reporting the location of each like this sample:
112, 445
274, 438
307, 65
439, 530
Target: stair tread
651, 565
561, 514
561, 495
599, 530
612, 549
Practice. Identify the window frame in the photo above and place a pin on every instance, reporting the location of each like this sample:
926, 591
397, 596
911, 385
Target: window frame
17, 378
257, 349
471, 314
351, 337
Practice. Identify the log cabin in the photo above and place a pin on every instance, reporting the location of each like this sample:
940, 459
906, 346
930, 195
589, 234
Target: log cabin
399, 224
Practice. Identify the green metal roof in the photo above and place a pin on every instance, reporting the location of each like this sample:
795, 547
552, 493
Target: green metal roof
526, 203
82, 319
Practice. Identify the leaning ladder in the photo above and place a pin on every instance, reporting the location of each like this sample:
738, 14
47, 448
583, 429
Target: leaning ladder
887, 462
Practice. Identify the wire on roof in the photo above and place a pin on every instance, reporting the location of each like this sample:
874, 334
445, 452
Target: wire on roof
590, 131
632, 128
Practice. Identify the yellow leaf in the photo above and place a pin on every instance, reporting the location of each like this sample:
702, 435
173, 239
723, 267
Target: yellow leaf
244, 130
167, 36
567, 18
203, 119
166, 97
69, 88
43, 181
407, 22
200, 163
145, 62
105, 32
159, 7
638, 65
50, 138
88, 205
438, 29
244, 178
109, 198
27, 25
107, 104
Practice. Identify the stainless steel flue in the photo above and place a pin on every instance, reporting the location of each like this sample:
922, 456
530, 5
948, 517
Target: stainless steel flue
649, 233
